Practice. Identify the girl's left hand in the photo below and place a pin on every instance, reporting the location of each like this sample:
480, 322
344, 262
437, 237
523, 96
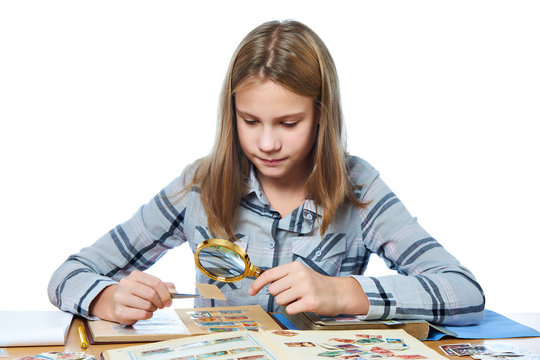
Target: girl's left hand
300, 288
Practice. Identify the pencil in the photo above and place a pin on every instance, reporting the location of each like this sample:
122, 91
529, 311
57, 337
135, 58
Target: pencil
82, 337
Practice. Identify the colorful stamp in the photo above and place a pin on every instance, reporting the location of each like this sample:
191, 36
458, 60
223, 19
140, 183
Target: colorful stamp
229, 340
285, 333
199, 314
215, 323
300, 344
222, 329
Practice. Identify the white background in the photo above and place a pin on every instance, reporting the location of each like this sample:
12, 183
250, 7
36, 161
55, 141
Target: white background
102, 103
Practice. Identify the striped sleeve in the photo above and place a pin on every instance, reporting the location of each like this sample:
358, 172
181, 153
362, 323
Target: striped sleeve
133, 245
430, 283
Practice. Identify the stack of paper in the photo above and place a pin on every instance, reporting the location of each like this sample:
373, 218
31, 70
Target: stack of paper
33, 328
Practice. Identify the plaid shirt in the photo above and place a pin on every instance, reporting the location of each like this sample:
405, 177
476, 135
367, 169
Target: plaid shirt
430, 283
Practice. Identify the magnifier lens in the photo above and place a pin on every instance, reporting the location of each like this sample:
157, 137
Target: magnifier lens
221, 262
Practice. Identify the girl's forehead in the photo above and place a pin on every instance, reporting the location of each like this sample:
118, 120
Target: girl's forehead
272, 96
250, 82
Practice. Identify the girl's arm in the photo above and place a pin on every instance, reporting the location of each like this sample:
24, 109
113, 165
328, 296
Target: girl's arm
132, 246
430, 283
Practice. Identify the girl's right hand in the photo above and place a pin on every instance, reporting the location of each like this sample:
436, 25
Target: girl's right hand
134, 298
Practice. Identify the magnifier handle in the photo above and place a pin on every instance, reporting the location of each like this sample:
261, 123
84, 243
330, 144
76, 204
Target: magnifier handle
258, 272
253, 271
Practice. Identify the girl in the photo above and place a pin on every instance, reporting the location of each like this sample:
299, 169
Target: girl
280, 184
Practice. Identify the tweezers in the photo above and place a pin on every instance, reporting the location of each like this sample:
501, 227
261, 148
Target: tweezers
183, 296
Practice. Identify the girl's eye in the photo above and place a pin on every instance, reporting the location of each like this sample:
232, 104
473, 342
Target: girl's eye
289, 124
250, 121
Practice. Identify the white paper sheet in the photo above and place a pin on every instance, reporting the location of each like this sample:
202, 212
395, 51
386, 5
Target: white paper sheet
164, 321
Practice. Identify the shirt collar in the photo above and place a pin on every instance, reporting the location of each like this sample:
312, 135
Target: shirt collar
254, 186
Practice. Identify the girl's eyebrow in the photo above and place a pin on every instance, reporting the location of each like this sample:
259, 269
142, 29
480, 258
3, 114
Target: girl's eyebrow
283, 117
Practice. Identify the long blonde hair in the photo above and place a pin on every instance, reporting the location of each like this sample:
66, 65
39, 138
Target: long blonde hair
292, 55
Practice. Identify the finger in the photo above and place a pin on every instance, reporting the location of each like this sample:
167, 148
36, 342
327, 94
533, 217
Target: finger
164, 294
128, 315
149, 294
267, 277
132, 300
288, 296
280, 285
170, 286
130, 289
296, 307
154, 290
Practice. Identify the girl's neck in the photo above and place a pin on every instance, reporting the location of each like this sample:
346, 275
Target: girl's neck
284, 195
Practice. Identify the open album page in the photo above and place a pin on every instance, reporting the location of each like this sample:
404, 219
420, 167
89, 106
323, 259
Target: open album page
283, 344
243, 345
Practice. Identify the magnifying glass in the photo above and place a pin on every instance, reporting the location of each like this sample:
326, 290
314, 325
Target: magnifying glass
224, 261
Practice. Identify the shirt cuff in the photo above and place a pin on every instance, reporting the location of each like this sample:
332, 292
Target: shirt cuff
82, 306
382, 305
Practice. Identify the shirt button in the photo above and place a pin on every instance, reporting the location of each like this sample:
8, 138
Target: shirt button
318, 253
271, 244
309, 216
266, 291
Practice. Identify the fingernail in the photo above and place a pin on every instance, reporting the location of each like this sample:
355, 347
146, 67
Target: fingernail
250, 291
168, 303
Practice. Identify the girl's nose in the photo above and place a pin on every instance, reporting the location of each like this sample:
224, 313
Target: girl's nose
268, 140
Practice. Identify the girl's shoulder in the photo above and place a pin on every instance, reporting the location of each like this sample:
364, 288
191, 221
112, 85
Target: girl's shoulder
184, 181
189, 171
360, 171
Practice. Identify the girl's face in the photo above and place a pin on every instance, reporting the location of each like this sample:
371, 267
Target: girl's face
276, 130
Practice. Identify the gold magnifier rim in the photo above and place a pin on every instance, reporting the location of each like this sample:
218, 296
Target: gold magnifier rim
228, 245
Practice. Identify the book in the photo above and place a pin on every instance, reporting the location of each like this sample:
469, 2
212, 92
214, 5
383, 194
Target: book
282, 344
311, 321
34, 328
170, 324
